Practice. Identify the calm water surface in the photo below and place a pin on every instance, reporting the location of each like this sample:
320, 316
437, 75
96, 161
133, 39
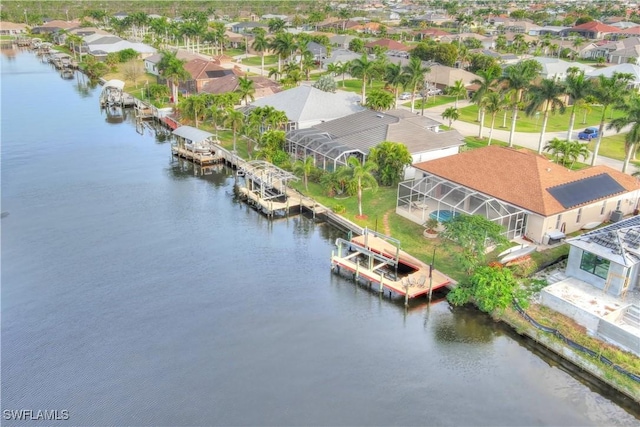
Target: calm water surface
135, 293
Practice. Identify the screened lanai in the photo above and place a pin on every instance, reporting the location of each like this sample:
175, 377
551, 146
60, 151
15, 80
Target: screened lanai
328, 152
418, 199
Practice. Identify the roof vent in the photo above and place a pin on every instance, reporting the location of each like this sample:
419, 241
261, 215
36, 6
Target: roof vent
379, 116
548, 169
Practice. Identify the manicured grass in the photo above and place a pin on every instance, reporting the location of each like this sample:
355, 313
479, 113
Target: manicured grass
353, 85
556, 123
433, 101
611, 146
255, 61
234, 52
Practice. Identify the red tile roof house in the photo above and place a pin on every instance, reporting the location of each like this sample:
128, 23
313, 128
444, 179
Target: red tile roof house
530, 196
388, 43
592, 30
202, 72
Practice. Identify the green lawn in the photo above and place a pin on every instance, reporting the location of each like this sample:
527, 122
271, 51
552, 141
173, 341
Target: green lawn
557, 122
234, 52
255, 61
611, 146
354, 85
433, 101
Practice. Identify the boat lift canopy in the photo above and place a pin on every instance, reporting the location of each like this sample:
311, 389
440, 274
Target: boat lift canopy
116, 84
194, 135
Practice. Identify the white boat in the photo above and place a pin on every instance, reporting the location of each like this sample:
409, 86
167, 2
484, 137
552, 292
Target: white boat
591, 225
198, 148
515, 253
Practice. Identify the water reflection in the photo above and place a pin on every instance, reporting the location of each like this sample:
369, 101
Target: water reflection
464, 325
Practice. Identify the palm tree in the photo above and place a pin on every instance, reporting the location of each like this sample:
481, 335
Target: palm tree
631, 108
493, 104
358, 175
246, 89
304, 167
486, 82
452, 114
344, 69
457, 90
566, 152
393, 77
362, 67
284, 45
275, 25
260, 44
518, 77
193, 105
334, 68
548, 96
234, 119
379, 100
608, 91
172, 70
578, 88
275, 73
414, 74
217, 116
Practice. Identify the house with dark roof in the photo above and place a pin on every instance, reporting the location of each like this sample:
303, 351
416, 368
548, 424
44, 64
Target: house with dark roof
599, 287
263, 86
333, 142
526, 193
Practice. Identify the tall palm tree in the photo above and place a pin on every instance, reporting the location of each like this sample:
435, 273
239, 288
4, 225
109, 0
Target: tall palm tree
260, 44
414, 74
493, 104
246, 89
358, 175
172, 70
379, 100
393, 77
518, 77
457, 89
631, 108
284, 45
362, 67
578, 87
607, 92
234, 119
487, 81
548, 96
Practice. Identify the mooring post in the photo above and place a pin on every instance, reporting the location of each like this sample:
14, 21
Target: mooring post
381, 285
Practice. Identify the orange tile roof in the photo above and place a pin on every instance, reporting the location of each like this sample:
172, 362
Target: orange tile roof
388, 43
631, 31
596, 26
519, 177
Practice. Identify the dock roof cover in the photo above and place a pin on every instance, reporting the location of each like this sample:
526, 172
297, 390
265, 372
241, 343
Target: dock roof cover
191, 133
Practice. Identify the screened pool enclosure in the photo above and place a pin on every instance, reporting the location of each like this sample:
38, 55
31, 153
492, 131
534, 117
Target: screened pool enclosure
418, 198
328, 152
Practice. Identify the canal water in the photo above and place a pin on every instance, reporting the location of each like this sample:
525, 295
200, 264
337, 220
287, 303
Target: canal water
136, 293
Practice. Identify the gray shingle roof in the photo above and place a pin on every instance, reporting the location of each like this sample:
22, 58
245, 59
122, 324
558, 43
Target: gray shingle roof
618, 242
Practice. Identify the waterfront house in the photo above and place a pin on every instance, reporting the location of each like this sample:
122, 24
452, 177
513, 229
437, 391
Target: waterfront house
591, 30
599, 287
557, 69
306, 106
529, 195
12, 29
632, 69
333, 142
263, 86
151, 62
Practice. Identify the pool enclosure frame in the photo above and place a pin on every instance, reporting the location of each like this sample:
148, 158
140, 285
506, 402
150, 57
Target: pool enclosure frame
419, 197
327, 151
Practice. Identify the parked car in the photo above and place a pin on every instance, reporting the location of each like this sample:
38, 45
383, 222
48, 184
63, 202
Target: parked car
434, 91
405, 95
589, 133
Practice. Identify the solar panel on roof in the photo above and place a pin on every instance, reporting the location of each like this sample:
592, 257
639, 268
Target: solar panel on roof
585, 190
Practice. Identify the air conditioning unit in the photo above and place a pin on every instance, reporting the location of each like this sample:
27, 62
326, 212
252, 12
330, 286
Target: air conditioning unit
616, 216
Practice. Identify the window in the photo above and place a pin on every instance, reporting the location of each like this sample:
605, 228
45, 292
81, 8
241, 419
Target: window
594, 264
558, 222
579, 215
618, 205
604, 206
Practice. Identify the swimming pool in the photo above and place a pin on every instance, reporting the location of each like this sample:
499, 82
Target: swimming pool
443, 215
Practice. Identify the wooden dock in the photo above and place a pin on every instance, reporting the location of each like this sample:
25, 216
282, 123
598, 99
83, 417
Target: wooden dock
372, 259
199, 158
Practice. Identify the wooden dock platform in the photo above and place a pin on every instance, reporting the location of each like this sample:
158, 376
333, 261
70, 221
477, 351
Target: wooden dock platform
199, 158
375, 260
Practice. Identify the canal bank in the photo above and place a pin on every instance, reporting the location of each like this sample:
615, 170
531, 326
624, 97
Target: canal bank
136, 290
